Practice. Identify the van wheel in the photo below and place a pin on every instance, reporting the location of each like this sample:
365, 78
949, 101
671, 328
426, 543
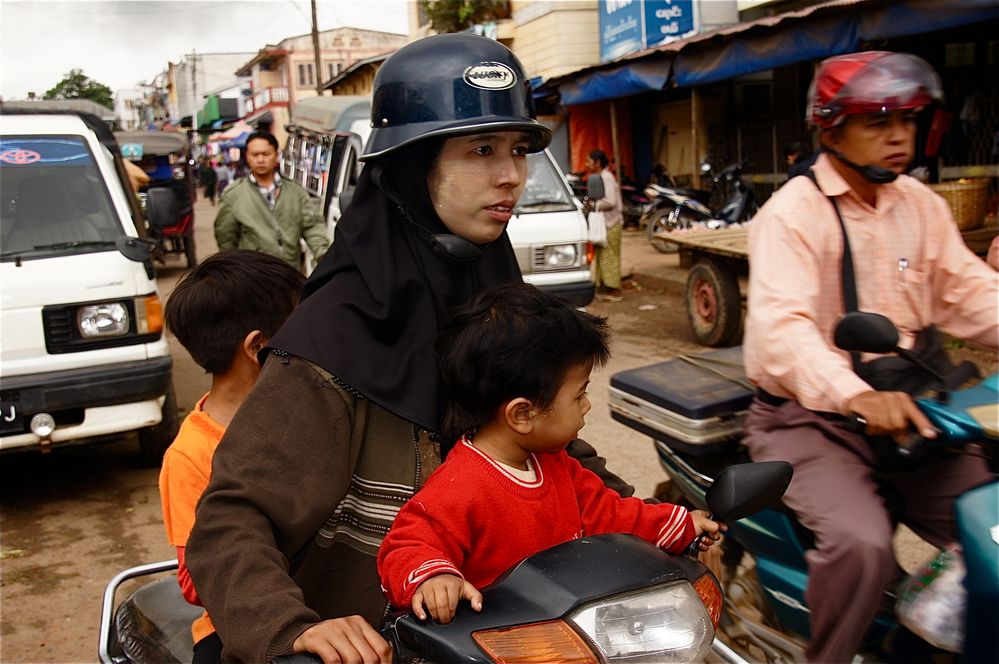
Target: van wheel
154, 440
714, 305
190, 251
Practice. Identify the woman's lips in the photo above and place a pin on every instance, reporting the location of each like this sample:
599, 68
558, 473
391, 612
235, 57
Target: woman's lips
501, 213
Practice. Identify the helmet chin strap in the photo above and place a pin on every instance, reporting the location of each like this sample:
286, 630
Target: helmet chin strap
446, 246
871, 173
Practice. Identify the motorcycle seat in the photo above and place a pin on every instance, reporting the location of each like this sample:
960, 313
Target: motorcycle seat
154, 624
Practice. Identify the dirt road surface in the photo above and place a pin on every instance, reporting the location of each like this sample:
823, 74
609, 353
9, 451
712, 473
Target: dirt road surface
73, 518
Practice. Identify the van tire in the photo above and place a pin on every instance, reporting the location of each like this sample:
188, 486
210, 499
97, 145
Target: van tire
154, 440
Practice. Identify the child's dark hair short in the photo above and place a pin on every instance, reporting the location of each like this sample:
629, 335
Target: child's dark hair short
512, 341
227, 296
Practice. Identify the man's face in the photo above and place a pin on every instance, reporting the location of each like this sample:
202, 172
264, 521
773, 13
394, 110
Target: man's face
887, 140
261, 157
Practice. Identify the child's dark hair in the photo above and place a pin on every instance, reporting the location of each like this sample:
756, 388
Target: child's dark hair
227, 296
512, 341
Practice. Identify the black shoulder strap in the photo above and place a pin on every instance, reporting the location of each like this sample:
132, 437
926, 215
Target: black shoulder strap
848, 276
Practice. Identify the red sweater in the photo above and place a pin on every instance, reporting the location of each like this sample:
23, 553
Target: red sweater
474, 519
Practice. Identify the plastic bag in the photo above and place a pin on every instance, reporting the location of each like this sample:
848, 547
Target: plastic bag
932, 602
598, 229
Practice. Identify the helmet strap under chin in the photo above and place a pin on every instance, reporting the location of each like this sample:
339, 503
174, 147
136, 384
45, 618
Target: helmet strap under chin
870, 172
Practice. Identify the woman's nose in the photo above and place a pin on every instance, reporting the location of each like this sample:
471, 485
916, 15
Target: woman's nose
508, 173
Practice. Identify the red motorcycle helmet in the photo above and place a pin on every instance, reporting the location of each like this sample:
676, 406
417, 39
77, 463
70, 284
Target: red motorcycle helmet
870, 82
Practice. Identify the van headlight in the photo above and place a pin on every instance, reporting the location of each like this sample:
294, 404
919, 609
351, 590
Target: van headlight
667, 623
108, 319
115, 319
558, 257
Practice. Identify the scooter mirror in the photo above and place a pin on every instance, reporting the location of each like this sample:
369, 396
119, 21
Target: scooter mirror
861, 331
747, 488
706, 168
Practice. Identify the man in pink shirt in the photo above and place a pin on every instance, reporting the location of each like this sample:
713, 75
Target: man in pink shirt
910, 265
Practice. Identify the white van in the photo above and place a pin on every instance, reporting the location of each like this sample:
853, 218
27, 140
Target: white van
82, 350
326, 136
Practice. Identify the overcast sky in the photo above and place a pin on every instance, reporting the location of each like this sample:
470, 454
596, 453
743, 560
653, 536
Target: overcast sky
120, 43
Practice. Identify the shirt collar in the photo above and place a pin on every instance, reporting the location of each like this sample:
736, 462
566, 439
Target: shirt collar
276, 183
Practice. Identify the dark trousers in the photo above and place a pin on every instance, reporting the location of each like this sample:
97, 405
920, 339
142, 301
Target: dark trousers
835, 493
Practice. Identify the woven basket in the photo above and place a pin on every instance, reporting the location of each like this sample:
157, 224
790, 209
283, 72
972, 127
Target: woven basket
967, 199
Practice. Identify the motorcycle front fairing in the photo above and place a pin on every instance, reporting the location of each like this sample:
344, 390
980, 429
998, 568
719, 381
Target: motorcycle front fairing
554, 585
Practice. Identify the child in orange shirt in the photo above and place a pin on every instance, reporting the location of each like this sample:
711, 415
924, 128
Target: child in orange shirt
223, 312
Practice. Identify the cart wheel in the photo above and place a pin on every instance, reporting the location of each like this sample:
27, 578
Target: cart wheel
714, 305
190, 251
659, 222
154, 440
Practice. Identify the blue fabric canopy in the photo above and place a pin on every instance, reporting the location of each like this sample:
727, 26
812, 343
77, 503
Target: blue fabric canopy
811, 34
621, 81
818, 37
238, 142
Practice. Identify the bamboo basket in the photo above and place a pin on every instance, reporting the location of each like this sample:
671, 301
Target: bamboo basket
967, 199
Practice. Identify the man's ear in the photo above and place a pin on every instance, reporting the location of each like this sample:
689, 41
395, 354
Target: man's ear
519, 414
253, 343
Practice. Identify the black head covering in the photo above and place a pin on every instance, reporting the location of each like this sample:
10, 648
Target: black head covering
372, 309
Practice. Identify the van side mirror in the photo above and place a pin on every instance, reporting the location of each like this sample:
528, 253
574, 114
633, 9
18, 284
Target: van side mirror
865, 332
747, 488
162, 207
135, 248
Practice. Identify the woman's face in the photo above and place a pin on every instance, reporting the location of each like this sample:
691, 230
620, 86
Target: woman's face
476, 182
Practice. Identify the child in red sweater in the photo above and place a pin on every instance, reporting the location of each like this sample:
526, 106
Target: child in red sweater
516, 363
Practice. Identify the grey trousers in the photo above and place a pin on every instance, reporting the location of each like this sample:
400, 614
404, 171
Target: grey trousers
835, 494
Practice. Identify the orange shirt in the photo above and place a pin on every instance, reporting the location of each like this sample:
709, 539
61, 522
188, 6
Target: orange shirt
910, 262
187, 466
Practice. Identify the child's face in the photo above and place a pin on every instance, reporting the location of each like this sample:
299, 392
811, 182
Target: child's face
557, 426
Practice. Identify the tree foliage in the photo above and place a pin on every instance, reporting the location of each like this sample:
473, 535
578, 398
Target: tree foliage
77, 85
459, 15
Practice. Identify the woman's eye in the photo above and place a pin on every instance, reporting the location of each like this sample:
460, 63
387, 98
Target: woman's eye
520, 151
483, 150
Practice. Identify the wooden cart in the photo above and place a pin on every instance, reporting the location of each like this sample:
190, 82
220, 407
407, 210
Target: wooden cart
717, 259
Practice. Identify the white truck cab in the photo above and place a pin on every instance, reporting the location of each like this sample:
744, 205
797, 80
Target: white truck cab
82, 350
548, 230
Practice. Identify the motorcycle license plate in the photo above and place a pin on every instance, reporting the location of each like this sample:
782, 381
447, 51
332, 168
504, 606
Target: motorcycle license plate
11, 418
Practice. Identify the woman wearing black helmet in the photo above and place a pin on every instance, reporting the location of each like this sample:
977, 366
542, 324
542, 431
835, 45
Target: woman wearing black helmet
338, 432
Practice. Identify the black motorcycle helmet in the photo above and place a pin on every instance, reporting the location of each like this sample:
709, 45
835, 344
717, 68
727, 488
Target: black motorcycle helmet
450, 85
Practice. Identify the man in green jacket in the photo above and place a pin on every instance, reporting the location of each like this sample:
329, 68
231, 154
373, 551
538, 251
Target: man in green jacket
266, 213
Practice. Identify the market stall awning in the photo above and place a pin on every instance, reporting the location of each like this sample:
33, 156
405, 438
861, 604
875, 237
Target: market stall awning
812, 33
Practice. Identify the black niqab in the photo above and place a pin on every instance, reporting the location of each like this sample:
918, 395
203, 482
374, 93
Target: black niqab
372, 309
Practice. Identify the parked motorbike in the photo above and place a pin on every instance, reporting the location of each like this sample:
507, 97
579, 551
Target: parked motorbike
634, 200
675, 209
605, 598
696, 430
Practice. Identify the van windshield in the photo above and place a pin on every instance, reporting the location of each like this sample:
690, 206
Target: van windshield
52, 198
545, 190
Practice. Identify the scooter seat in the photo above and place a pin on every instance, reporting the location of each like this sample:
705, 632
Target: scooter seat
154, 624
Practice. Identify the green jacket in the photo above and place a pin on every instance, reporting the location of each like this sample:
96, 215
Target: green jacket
244, 221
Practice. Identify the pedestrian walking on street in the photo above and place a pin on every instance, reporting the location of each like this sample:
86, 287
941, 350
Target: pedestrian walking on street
608, 272
265, 212
208, 179
343, 425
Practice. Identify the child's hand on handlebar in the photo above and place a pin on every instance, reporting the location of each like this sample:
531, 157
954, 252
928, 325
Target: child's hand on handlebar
441, 594
706, 530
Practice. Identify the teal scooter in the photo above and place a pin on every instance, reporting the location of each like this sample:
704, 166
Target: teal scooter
695, 417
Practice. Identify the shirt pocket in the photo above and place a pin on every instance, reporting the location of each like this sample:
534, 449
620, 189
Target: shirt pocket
913, 305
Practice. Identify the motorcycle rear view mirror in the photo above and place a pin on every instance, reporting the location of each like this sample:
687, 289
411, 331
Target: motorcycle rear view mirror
706, 168
861, 331
747, 488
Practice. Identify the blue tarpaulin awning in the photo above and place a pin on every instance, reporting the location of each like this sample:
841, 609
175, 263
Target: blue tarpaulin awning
813, 33
237, 142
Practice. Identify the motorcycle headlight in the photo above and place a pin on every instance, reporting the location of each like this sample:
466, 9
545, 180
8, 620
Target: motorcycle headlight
667, 623
109, 319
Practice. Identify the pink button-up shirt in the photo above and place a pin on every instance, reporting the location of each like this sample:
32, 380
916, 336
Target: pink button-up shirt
910, 263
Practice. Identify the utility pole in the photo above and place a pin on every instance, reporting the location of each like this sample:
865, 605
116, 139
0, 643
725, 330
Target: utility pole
315, 51
194, 90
